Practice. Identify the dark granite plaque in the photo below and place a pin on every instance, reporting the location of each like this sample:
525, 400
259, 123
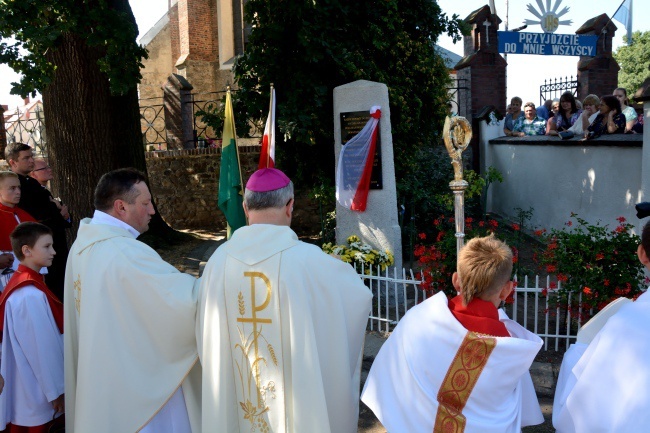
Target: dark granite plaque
351, 124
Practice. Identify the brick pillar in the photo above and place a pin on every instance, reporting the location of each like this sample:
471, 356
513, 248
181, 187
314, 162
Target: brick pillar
485, 71
179, 113
3, 133
598, 75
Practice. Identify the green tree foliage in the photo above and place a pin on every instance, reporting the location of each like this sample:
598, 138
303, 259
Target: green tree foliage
83, 57
31, 29
307, 48
634, 61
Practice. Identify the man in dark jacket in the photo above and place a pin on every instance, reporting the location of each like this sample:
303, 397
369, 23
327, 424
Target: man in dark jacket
38, 202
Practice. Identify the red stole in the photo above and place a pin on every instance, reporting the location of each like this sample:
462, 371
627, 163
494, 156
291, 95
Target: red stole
25, 276
479, 316
8, 223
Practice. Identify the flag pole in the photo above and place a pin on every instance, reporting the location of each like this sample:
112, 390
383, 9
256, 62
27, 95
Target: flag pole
234, 133
271, 130
604, 30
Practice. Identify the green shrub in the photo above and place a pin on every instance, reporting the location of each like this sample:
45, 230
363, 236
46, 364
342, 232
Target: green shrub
592, 260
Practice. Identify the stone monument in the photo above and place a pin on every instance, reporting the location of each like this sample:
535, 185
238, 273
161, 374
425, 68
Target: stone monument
378, 225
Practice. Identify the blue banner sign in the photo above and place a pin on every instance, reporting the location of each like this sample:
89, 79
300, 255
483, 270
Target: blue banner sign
547, 44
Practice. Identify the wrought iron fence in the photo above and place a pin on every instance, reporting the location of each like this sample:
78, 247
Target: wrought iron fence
212, 102
152, 122
458, 94
205, 102
28, 128
553, 88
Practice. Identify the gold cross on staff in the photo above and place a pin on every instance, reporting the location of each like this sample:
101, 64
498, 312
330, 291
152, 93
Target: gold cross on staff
255, 320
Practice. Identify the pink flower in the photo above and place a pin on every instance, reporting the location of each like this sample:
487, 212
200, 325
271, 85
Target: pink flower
586, 290
422, 236
515, 227
569, 223
621, 219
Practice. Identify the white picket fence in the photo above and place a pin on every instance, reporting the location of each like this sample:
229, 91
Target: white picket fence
394, 293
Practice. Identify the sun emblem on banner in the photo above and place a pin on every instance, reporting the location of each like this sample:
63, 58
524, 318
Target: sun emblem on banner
549, 18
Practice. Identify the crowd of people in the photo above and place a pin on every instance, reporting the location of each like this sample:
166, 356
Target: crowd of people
567, 117
270, 338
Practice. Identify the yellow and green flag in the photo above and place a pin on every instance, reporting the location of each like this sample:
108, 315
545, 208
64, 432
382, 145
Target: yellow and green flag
231, 192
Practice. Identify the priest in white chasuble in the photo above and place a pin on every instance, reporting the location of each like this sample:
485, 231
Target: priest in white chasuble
280, 326
604, 385
459, 365
130, 348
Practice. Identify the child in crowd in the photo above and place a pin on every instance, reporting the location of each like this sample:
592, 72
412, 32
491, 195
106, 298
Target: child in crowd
459, 364
10, 217
31, 318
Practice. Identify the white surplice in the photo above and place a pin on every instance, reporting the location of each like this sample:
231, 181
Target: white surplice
32, 360
605, 386
403, 385
280, 332
129, 341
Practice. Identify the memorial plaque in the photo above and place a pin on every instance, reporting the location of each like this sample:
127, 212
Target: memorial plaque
351, 124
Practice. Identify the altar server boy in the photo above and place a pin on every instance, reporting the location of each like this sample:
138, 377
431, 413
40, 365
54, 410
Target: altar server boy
459, 365
32, 337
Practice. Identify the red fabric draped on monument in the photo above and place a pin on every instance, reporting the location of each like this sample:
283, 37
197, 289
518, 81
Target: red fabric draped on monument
355, 165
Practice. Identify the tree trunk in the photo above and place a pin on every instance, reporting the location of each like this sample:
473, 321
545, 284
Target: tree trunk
89, 131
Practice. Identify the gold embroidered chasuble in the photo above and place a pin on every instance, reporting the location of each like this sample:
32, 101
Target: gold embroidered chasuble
129, 339
280, 331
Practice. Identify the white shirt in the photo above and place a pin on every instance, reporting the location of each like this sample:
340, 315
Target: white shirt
32, 359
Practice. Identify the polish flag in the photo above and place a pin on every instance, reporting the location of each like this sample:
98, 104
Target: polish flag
355, 165
267, 155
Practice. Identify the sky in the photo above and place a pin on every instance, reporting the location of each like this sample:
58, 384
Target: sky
525, 72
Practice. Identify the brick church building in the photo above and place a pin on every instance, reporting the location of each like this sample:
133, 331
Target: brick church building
197, 39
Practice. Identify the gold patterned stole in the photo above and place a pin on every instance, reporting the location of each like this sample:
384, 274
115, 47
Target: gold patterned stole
460, 380
253, 310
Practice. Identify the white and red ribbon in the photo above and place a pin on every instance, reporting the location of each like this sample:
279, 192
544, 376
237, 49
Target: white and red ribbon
355, 165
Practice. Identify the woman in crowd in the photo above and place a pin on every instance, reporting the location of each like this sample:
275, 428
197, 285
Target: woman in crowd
610, 120
529, 123
589, 113
568, 114
552, 117
514, 113
630, 113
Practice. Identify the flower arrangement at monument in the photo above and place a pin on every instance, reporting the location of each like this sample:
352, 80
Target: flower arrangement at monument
361, 255
591, 260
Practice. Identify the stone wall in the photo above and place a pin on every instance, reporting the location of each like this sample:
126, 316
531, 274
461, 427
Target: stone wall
185, 184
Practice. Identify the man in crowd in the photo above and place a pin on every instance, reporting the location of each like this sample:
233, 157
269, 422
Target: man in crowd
37, 201
130, 347
280, 325
603, 385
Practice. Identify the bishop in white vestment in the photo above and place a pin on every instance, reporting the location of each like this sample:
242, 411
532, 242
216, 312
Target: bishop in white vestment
281, 326
130, 321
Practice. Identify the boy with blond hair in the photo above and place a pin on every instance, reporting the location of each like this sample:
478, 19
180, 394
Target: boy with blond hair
31, 321
459, 365
10, 217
